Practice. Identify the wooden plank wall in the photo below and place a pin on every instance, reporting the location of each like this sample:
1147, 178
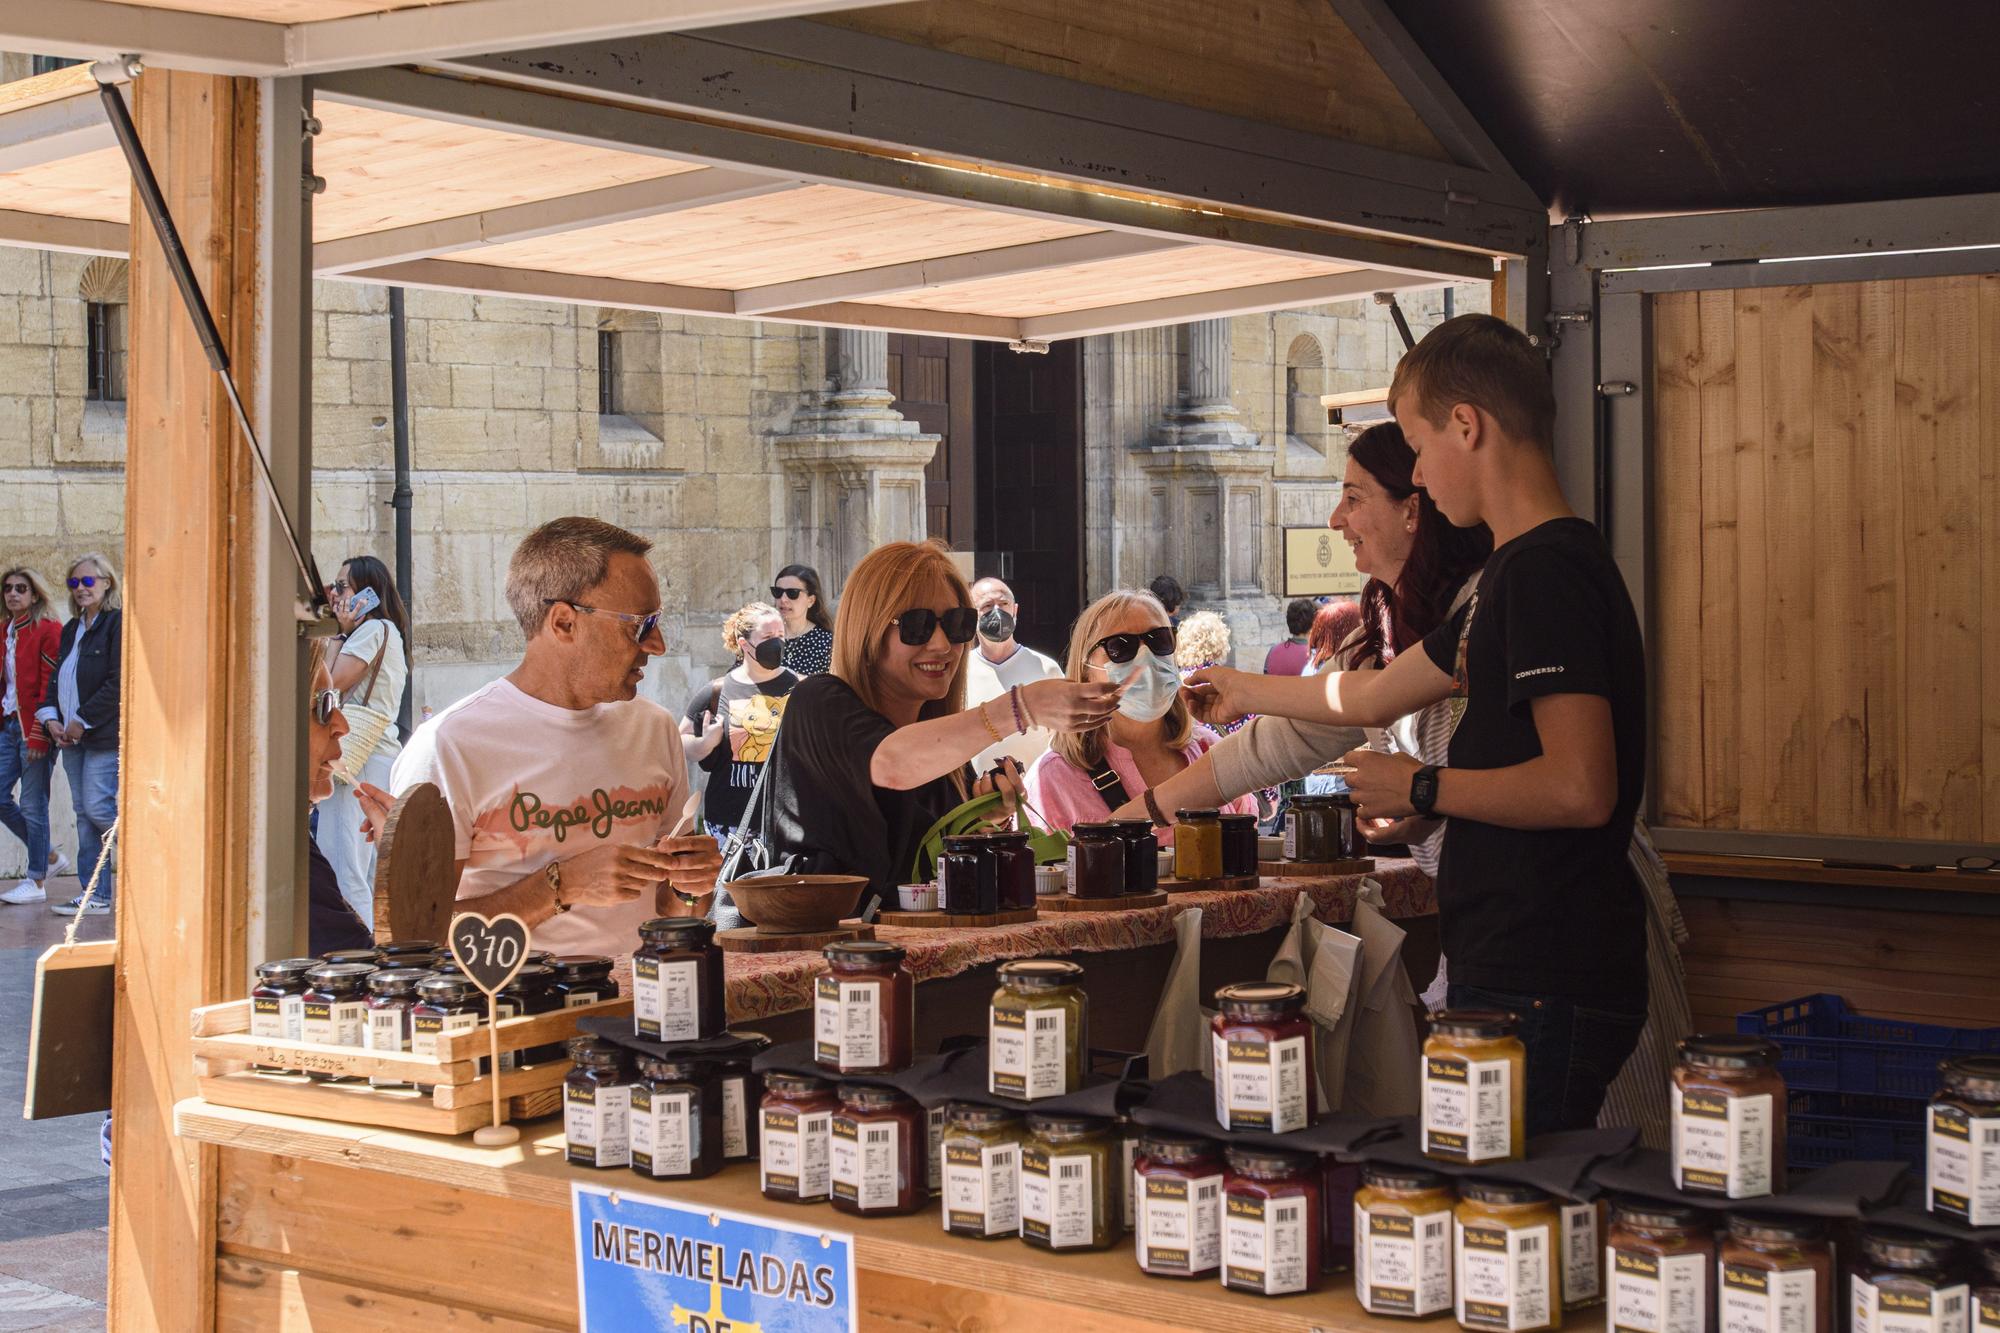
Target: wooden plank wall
1827, 553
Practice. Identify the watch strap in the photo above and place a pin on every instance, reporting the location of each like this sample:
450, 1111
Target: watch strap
552, 872
1423, 790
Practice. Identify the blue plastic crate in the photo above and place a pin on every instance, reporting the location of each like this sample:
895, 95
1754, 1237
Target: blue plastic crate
1824, 1047
1827, 1127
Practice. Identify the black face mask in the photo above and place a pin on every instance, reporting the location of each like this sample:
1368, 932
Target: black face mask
770, 653
995, 625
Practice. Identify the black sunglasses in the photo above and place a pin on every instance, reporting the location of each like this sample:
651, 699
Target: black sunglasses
916, 627
16, 587
785, 594
82, 581
1122, 648
324, 705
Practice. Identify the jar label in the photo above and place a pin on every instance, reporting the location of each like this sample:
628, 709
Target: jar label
1879, 1311
865, 1153
735, 1138
934, 1119
982, 1189
335, 1024
847, 1023
666, 1002
502, 1011
1058, 1198
1504, 1277
1264, 1244
1756, 1300
794, 1158
1962, 1179
663, 1132
425, 1029
1468, 1109
1291, 836
1986, 1314
1402, 1262
1722, 1144
1029, 1052
267, 1017
576, 999
1651, 1293
1582, 1251
1179, 1224
385, 1031
597, 1125
1128, 1161
1261, 1085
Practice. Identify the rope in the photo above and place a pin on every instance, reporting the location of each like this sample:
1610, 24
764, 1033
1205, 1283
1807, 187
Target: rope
82, 903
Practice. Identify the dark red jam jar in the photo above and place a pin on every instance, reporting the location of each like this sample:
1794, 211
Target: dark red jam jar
677, 987
1239, 846
1271, 1222
1142, 855
969, 877
676, 1120
1263, 1057
864, 1011
878, 1152
797, 1127
1096, 861
1177, 1191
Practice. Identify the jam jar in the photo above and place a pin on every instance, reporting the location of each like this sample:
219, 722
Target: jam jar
676, 1120
969, 876
742, 1092
864, 1010
1015, 865
1580, 1253
278, 1000
445, 1004
530, 993
1475, 1094
1312, 829
1125, 1133
1774, 1273
981, 1151
1197, 844
1728, 1107
1986, 1292
392, 991
1263, 1057
1962, 1173
1177, 1190
407, 953
1907, 1282
1402, 1242
1069, 1199
1660, 1257
1349, 842
677, 980
336, 1004
877, 1153
579, 979
364, 957
795, 1123
1506, 1238
1339, 1182
1239, 845
1096, 861
597, 1105
1270, 1222
1037, 1030
1142, 855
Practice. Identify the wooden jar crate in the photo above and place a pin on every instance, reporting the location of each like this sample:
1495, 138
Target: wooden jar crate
459, 1099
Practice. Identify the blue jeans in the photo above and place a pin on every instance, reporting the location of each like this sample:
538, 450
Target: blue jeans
29, 820
93, 791
1574, 1051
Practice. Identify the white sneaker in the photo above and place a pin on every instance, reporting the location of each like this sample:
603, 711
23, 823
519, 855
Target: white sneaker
24, 893
62, 865
98, 907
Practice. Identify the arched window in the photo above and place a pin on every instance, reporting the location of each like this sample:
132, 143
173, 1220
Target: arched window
1305, 381
103, 289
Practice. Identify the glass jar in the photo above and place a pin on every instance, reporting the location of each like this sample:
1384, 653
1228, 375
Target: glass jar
530, 993
742, 1092
579, 979
1239, 845
363, 957
1506, 1236
864, 1010
1402, 1242
336, 1004
1312, 828
1339, 1182
1263, 1045
1728, 1108
597, 1105
880, 1138
445, 1004
1069, 1200
1177, 1188
1475, 1094
1037, 1030
981, 1151
1986, 1291
677, 992
278, 1000
1197, 844
1125, 1134
1142, 854
392, 991
1659, 1257
1348, 839
1096, 861
795, 1122
1907, 1282
1962, 1175
676, 1120
1015, 866
968, 877
1581, 1252
407, 953
1774, 1273
1270, 1222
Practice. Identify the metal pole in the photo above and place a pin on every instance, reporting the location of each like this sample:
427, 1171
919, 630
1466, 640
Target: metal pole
401, 498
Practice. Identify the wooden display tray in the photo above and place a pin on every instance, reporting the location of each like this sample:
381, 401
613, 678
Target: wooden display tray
1127, 902
459, 1099
1312, 869
945, 920
1222, 882
752, 939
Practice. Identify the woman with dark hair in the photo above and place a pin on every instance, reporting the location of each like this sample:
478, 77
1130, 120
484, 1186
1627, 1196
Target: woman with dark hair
808, 619
369, 669
27, 660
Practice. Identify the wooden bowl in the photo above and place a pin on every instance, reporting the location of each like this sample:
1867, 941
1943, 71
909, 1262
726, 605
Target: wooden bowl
797, 904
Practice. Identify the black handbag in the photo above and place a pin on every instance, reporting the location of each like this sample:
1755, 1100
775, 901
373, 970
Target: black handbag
748, 855
1108, 786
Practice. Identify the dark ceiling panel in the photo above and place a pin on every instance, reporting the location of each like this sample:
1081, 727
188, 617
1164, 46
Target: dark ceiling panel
1646, 106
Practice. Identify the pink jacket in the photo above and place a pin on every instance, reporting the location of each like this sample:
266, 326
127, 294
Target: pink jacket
1065, 796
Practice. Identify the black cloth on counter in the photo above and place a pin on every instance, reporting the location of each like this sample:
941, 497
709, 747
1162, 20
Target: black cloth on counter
1185, 1104
1842, 1190
330, 923
796, 1057
617, 1029
1561, 1163
963, 1078
1917, 1219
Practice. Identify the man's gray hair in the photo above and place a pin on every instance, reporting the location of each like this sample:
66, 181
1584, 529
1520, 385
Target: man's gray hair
562, 560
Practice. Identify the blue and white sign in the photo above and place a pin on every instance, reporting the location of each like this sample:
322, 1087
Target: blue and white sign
644, 1263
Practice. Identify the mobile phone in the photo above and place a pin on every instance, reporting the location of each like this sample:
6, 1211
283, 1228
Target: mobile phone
362, 603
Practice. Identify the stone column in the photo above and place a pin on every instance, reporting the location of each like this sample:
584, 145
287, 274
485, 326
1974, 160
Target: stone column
1202, 415
1207, 476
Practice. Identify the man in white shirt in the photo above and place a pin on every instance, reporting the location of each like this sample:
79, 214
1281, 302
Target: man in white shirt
1000, 665
563, 783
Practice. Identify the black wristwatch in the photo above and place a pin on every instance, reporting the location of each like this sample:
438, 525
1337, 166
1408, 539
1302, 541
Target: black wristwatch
1424, 790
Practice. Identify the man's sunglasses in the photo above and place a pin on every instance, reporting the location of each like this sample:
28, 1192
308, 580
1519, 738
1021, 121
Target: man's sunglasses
1122, 648
644, 625
916, 627
84, 581
785, 594
324, 705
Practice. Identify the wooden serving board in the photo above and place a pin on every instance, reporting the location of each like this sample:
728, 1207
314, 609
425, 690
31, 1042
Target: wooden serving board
1309, 869
1209, 885
749, 939
945, 920
1129, 902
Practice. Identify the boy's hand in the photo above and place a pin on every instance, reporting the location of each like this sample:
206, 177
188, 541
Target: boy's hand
1380, 783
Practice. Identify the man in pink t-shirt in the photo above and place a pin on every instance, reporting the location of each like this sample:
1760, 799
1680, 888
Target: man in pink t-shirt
1290, 657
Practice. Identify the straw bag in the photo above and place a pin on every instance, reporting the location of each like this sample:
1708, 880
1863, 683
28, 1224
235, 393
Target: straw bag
365, 727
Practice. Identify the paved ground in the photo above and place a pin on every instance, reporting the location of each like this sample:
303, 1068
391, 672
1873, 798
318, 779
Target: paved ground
53, 1186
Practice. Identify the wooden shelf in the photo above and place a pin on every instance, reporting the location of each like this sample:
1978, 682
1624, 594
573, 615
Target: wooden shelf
1812, 872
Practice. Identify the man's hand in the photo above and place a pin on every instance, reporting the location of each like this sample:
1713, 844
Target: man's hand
375, 807
1380, 783
616, 873
1214, 696
691, 864
72, 733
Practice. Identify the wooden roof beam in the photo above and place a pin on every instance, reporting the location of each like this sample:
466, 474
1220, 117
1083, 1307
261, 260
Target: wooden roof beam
77, 236
1217, 304
53, 130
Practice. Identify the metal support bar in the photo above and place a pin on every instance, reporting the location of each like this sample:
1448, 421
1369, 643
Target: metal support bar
403, 498
1785, 233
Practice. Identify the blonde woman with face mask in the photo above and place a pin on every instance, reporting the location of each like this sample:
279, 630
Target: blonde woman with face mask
1126, 638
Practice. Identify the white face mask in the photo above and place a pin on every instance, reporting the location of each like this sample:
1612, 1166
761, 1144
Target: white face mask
1155, 684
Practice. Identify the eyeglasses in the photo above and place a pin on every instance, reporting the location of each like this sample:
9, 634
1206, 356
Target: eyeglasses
785, 594
645, 625
916, 627
1122, 648
324, 705
85, 581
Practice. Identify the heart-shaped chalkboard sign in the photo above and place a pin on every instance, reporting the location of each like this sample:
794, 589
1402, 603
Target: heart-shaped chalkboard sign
490, 951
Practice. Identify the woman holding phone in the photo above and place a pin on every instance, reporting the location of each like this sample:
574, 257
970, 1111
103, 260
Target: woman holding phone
369, 670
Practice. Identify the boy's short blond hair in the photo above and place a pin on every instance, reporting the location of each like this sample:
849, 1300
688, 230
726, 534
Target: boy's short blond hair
1486, 362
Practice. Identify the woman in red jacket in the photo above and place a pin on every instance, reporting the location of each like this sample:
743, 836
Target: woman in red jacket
27, 659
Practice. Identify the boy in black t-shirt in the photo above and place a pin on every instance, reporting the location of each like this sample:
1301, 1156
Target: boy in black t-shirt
1540, 911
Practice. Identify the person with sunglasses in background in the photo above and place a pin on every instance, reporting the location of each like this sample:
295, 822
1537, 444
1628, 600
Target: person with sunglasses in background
732, 721
808, 619
80, 714
330, 922
1127, 638
876, 750
565, 787
27, 661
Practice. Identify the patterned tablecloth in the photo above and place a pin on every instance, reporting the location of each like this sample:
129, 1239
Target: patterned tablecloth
762, 984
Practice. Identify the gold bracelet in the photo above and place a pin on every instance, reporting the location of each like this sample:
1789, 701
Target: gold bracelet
991, 730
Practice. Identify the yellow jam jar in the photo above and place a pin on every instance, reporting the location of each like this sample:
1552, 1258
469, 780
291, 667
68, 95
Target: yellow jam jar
1475, 1093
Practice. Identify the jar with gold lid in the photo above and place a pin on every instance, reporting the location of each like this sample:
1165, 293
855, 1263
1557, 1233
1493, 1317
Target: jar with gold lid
1402, 1241
1728, 1113
1507, 1277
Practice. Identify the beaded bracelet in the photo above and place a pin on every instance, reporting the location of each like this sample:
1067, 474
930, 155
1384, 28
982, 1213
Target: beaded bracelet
1014, 698
991, 730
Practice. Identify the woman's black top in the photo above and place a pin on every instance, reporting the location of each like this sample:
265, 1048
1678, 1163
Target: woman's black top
810, 653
